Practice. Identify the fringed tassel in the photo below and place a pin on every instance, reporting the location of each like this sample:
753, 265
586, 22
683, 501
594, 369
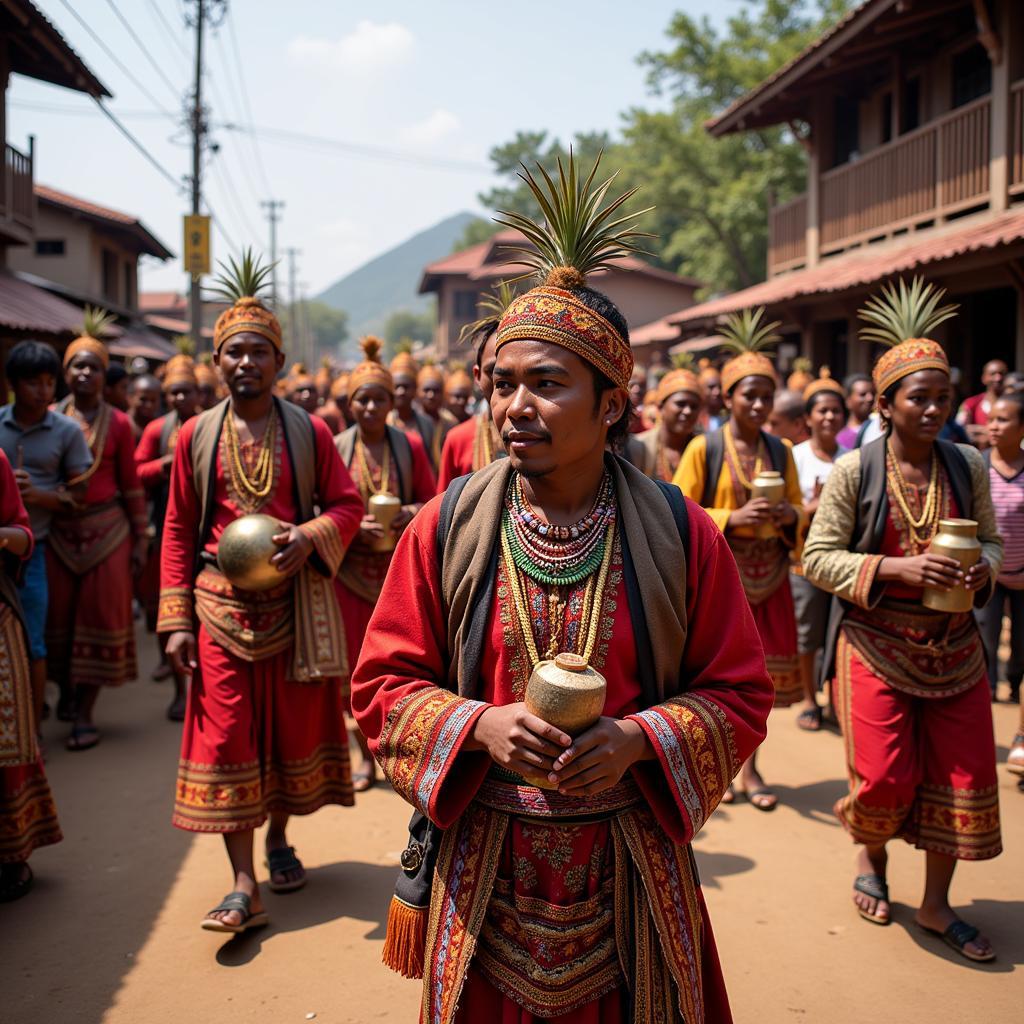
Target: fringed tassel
406, 939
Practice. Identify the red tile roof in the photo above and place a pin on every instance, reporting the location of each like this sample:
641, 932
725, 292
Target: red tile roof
657, 330
24, 307
485, 261
173, 325
868, 265
148, 242
137, 340
162, 301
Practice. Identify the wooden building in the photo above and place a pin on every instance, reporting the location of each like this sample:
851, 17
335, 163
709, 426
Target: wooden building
642, 292
912, 115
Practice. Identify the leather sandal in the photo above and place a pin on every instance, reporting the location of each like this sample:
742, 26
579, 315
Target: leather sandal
877, 888
956, 936
241, 903
281, 861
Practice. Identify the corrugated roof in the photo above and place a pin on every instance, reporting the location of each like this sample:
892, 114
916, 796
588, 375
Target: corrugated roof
24, 307
869, 264
148, 242
137, 340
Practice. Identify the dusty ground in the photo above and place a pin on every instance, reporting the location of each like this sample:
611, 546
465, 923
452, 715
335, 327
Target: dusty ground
111, 935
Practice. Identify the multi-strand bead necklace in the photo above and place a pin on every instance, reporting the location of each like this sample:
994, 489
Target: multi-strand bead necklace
252, 488
366, 485
921, 528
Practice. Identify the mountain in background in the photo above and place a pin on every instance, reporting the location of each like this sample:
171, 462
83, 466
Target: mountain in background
389, 282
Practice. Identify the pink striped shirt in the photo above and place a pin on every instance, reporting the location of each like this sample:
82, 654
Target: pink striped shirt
1008, 499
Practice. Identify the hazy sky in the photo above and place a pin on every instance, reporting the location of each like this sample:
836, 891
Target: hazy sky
436, 83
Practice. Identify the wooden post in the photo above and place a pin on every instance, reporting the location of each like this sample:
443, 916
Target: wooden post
999, 131
812, 235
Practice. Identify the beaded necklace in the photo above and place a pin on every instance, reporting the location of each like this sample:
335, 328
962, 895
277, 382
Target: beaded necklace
922, 528
557, 555
737, 462
253, 487
366, 485
95, 434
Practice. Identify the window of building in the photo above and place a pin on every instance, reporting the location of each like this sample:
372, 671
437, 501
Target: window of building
847, 130
972, 75
465, 304
911, 116
110, 280
129, 284
49, 246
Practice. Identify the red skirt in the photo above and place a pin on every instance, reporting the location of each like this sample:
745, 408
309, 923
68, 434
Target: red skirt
775, 618
90, 637
256, 742
28, 815
355, 617
920, 768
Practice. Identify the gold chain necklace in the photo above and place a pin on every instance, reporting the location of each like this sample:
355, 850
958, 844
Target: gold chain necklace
923, 528
366, 484
593, 602
730, 447
255, 486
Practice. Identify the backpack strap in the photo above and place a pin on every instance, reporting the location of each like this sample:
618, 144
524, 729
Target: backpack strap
777, 454
714, 456
680, 514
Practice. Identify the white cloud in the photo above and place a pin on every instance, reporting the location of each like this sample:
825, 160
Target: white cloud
441, 124
370, 47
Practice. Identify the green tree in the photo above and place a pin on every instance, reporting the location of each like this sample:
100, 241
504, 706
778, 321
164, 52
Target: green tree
407, 325
327, 326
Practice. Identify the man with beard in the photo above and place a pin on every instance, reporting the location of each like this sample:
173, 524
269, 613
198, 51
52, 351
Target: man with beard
264, 734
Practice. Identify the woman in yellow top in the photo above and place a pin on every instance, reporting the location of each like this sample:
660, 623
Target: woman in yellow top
717, 470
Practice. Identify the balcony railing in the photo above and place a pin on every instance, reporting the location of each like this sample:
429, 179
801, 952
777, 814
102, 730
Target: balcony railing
17, 201
936, 170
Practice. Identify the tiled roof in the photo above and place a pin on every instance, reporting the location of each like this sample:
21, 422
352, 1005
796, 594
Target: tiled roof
868, 265
657, 330
162, 301
24, 307
148, 242
485, 261
173, 325
137, 340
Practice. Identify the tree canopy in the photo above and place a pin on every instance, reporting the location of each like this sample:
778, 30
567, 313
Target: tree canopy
711, 195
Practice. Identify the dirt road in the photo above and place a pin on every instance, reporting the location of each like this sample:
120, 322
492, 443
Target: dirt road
111, 935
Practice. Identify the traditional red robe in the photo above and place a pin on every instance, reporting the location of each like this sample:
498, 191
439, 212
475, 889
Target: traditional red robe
528, 913
90, 637
371, 567
28, 817
255, 740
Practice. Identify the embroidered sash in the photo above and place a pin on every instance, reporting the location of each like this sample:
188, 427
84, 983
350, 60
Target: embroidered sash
763, 564
17, 729
83, 539
915, 650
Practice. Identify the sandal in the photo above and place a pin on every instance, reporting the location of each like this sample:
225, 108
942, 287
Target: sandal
1015, 759
83, 737
16, 888
280, 861
877, 888
809, 720
241, 903
763, 799
729, 796
956, 936
364, 779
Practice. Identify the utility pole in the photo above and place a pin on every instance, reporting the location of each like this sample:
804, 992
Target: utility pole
207, 12
273, 208
293, 320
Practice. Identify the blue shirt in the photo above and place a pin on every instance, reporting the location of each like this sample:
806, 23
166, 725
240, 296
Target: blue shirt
53, 451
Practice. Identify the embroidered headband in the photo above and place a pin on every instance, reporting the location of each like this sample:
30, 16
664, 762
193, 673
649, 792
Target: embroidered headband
87, 344
747, 364
906, 358
179, 370
247, 316
679, 380
370, 371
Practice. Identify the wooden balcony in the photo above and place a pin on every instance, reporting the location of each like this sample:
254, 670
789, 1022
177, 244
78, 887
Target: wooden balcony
17, 200
918, 179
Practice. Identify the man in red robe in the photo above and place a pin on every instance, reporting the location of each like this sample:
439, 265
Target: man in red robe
474, 444
264, 734
573, 900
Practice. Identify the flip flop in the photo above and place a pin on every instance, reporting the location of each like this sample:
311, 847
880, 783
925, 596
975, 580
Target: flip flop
282, 860
752, 797
956, 936
809, 720
11, 891
83, 737
877, 888
241, 903
1015, 759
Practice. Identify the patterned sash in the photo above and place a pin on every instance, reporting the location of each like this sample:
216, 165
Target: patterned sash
915, 650
763, 564
17, 731
83, 539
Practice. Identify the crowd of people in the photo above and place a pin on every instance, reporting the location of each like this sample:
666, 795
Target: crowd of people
717, 545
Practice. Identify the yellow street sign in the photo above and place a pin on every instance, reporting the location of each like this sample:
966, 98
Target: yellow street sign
197, 245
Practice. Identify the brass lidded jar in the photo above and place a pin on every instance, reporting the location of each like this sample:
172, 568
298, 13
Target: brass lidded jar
769, 483
955, 538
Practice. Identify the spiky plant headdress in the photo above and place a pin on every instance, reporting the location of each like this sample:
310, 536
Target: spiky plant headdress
240, 283
580, 233
370, 371
901, 318
491, 306
96, 324
745, 334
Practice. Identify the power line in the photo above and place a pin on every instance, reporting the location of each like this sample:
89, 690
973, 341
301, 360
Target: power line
139, 146
142, 46
230, 194
171, 33
243, 93
117, 60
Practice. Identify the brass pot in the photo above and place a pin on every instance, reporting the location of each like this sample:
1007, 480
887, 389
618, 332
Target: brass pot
568, 694
384, 508
955, 538
769, 483
245, 549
